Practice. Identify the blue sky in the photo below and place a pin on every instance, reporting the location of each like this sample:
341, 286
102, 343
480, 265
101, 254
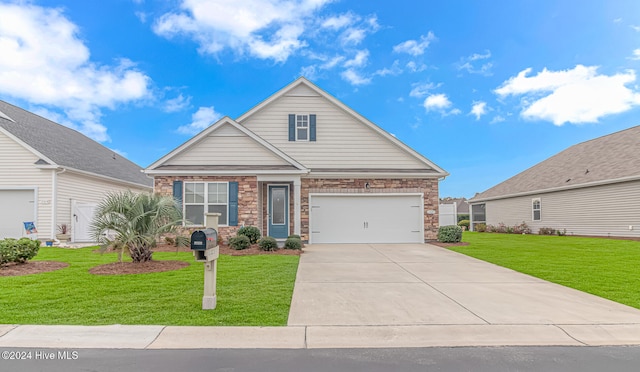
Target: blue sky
485, 89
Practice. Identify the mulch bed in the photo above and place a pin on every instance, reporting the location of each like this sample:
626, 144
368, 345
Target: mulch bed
447, 245
118, 268
31, 267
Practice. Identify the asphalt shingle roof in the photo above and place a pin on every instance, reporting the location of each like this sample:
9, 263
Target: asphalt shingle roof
67, 147
610, 157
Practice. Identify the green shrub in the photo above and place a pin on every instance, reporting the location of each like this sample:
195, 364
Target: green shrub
239, 242
462, 217
450, 234
293, 243
18, 251
268, 244
464, 223
480, 227
294, 236
251, 232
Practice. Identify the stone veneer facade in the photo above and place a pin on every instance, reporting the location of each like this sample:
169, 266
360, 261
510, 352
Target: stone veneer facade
249, 210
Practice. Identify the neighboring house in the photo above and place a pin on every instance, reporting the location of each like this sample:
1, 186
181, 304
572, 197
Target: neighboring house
301, 162
53, 175
592, 188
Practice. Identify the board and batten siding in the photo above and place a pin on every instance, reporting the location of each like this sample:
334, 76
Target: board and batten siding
17, 170
84, 188
227, 146
341, 140
606, 210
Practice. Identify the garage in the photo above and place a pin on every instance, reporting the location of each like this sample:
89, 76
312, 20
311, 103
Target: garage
366, 218
18, 207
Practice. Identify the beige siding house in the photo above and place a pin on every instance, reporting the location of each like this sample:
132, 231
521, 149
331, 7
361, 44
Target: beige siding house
52, 175
301, 162
592, 188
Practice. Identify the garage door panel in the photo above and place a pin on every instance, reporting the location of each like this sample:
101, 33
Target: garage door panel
366, 219
21, 205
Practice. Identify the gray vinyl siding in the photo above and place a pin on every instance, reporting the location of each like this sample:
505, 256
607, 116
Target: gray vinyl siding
17, 170
606, 210
84, 188
227, 146
341, 140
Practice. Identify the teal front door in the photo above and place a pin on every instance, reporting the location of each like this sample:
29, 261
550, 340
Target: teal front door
278, 211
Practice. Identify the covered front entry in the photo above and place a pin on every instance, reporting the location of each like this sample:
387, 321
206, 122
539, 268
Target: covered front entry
17, 206
366, 218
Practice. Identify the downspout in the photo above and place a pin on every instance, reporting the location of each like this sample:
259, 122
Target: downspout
54, 200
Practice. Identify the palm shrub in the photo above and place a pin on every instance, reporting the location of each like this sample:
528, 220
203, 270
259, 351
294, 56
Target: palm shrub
134, 222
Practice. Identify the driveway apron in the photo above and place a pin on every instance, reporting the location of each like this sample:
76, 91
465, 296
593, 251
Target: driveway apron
421, 284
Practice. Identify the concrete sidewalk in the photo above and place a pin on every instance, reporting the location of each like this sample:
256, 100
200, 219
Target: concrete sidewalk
314, 337
385, 296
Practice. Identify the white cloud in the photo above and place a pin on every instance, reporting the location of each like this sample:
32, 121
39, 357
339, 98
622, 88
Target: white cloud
393, 70
478, 109
617, 20
414, 67
579, 95
339, 22
45, 62
437, 102
635, 28
422, 89
468, 64
201, 119
354, 77
413, 47
635, 54
266, 29
359, 60
177, 104
497, 119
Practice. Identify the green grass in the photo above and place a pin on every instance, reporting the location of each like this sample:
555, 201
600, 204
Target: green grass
251, 290
604, 267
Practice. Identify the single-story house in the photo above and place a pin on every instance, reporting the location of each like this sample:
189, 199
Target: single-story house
302, 162
52, 175
592, 188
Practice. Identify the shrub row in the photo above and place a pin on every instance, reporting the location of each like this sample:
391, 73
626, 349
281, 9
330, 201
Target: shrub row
552, 231
248, 235
18, 251
501, 228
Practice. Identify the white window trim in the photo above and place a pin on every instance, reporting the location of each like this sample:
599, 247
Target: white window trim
533, 215
206, 201
308, 127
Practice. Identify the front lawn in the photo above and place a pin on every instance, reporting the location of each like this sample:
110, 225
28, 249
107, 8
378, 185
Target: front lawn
251, 290
605, 267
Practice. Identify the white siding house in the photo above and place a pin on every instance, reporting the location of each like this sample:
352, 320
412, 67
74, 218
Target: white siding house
302, 162
592, 188
53, 175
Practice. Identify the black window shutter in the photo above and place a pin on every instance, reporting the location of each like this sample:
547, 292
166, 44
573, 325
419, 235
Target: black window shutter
312, 127
292, 127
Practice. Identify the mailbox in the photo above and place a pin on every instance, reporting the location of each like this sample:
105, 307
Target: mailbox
201, 240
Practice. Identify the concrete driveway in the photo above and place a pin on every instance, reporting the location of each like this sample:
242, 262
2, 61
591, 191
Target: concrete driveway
421, 284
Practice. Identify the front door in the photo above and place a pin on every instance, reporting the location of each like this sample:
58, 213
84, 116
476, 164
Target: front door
278, 210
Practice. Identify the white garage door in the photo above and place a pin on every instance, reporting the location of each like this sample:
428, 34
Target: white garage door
16, 207
366, 218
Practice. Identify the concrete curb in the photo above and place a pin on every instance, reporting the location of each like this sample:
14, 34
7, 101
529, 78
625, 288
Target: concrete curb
315, 337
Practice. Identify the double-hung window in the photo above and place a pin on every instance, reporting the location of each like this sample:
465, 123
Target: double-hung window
536, 208
206, 197
302, 127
